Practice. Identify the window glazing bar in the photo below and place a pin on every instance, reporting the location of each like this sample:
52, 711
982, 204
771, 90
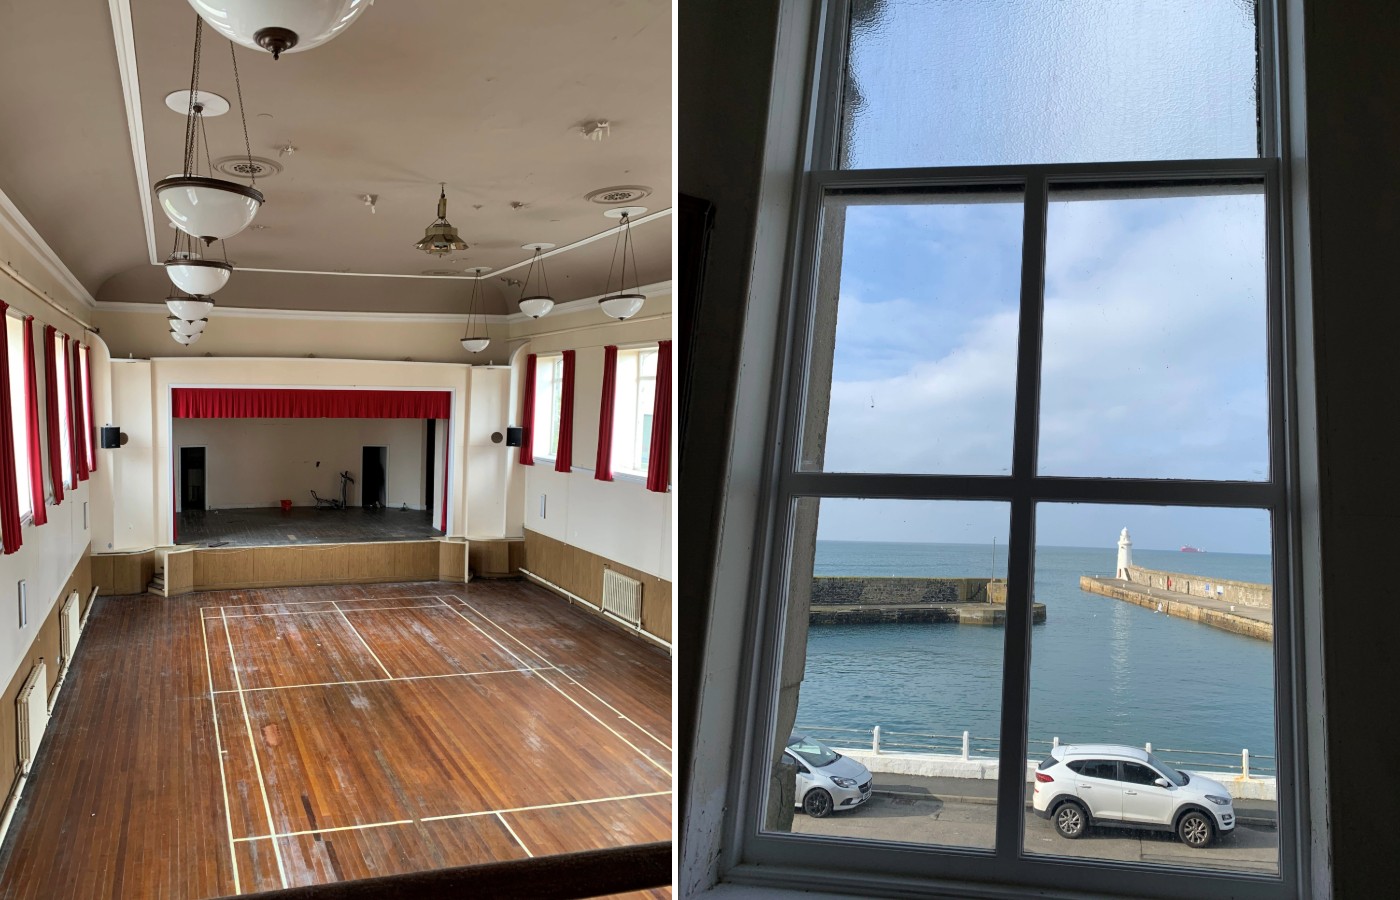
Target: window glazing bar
1145, 491
1056, 173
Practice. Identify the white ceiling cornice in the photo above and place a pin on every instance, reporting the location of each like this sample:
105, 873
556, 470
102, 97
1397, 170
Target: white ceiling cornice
17, 226
131, 93
586, 304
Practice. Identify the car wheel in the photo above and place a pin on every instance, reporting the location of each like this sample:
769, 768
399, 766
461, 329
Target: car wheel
817, 803
1071, 821
1195, 829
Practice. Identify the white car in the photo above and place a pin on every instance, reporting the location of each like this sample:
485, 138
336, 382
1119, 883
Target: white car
826, 780
1127, 787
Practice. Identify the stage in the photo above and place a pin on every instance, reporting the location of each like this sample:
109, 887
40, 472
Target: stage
301, 525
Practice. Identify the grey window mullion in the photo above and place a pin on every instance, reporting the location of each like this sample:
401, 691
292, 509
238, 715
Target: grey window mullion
1015, 678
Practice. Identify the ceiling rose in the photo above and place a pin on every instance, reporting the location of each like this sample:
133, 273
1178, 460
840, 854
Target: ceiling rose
280, 26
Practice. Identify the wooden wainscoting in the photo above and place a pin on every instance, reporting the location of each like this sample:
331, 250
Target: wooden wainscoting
452, 560
46, 644
120, 574
496, 557
580, 572
259, 567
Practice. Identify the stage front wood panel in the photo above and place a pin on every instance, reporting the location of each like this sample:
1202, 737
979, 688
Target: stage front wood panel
120, 574
237, 741
260, 567
580, 572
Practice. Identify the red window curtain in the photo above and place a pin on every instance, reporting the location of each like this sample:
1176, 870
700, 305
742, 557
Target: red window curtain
31, 418
69, 436
659, 466
527, 415
300, 403
79, 416
10, 536
564, 459
91, 432
602, 467
51, 414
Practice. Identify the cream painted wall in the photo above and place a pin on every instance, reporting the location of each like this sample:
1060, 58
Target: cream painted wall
49, 552
487, 463
619, 520
132, 511
258, 462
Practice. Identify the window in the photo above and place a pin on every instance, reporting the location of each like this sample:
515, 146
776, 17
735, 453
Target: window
1106, 769
14, 345
65, 422
1037, 294
636, 398
1137, 773
549, 392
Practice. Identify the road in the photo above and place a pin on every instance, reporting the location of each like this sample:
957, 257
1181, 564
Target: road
920, 811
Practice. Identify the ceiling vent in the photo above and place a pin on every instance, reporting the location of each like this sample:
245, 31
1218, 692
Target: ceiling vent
623, 193
247, 167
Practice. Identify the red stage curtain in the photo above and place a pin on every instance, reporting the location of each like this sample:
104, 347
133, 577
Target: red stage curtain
51, 414
301, 403
659, 466
91, 432
602, 467
79, 416
527, 415
70, 436
31, 404
564, 458
10, 536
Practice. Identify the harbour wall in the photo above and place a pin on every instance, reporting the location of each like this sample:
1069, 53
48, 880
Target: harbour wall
863, 600
1185, 608
1241, 593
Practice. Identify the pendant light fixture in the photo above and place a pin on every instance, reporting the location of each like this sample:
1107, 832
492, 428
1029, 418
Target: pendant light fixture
191, 272
476, 339
185, 339
623, 304
539, 303
189, 308
208, 208
440, 238
187, 327
280, 26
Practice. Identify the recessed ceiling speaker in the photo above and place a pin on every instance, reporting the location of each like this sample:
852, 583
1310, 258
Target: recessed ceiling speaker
515, 436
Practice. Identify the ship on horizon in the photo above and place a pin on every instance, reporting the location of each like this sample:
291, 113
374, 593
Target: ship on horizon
1187, 548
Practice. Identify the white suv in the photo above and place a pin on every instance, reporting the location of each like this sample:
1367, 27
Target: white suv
1106, 784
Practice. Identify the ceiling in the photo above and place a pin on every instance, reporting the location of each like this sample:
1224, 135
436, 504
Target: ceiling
489, 98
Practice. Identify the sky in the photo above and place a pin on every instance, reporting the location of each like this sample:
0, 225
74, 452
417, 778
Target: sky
1154, 350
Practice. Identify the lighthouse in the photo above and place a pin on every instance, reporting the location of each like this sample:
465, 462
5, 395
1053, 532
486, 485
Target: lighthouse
1125, 554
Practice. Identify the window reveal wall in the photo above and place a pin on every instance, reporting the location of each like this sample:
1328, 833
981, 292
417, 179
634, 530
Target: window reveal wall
259, 462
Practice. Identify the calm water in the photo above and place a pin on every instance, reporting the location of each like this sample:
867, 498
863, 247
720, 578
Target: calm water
1101, 669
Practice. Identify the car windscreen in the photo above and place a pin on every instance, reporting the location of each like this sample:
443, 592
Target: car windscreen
1177, 778
814, 752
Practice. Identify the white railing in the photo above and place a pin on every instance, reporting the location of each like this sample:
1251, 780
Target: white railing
968, 746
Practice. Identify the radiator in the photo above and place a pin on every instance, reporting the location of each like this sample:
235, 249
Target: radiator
622, 596
32, 709
69, 627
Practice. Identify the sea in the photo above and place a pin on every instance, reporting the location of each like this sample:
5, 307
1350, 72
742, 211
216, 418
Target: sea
1102, 670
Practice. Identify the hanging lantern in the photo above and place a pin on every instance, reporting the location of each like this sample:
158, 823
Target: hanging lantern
624, 304
189, 308
440, 238
191, 272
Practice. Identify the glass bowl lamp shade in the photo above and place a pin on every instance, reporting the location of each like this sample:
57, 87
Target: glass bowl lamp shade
622, 306
185, 339
210, 209
191, 309
475, 344
187, 327
280, 26
198, 276
534, 307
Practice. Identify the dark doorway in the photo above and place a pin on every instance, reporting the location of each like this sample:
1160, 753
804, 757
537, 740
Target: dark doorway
374, 466
428, 465
191, 478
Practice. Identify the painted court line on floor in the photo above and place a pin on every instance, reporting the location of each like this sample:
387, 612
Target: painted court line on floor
252, 745
288, 687
507, 633
219, 751
322, 612
562, 692
502, 820
467, 815
361, 637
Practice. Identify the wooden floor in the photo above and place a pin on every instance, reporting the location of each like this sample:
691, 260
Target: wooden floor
238, 741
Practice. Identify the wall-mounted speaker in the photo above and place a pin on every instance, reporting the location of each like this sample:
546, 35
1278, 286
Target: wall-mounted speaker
111, 437
515, 436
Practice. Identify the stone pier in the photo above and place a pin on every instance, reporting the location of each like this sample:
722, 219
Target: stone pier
1251, 621
846, 600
